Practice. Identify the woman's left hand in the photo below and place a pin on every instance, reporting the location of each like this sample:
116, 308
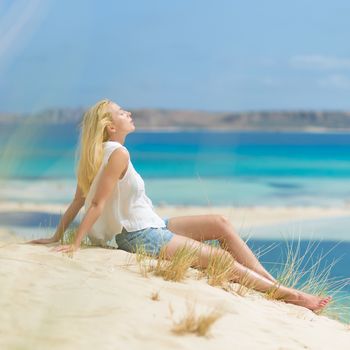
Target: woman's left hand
68, 248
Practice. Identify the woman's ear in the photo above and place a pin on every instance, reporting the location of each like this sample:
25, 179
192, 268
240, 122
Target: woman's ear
111, 129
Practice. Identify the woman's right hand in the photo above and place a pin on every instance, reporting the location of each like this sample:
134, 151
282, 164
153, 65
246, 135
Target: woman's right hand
44, 240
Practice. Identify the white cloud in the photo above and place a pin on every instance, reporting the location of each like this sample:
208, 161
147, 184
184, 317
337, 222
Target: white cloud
319, 62
335, 81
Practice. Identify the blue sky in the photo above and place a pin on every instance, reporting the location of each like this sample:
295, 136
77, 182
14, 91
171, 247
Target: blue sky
222, 55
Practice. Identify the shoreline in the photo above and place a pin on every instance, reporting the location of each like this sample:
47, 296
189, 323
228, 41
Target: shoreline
222, 129
258, 214
259, 222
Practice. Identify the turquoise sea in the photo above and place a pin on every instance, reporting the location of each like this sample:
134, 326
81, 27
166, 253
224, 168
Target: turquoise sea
219, 168
195, 168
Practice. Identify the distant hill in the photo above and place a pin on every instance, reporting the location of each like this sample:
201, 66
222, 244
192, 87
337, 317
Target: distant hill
156, 119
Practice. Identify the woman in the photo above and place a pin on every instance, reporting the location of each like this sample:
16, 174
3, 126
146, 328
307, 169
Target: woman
117, 207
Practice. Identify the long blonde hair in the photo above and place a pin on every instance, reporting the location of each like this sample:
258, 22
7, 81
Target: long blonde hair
93, 133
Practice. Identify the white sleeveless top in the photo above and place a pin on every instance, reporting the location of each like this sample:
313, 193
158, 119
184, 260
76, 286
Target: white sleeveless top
128, 206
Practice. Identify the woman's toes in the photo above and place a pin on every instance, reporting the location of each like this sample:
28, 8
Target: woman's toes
323, 303
327, 300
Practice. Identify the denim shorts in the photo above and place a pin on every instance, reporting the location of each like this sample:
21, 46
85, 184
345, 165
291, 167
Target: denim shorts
152, 239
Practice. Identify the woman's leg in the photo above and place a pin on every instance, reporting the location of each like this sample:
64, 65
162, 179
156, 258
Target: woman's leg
244, 275
206, 227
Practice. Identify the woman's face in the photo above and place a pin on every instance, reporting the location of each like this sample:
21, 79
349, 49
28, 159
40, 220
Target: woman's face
122, 121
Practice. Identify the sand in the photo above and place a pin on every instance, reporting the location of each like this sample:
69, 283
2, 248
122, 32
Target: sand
99, 299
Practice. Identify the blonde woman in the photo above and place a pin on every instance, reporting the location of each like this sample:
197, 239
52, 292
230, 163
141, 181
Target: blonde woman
118, 210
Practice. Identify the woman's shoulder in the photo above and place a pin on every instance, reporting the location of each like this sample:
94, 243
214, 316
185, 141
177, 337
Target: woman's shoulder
120, 152
118, 159
117, 150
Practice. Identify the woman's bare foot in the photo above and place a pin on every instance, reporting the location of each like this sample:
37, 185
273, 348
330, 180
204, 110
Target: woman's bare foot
312, 302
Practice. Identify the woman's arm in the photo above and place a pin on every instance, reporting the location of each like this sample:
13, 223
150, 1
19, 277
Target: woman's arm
117, 163
66, 219
70, 214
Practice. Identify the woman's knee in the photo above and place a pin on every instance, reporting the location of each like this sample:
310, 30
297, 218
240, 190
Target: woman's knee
222, 220
222, 226
227, 229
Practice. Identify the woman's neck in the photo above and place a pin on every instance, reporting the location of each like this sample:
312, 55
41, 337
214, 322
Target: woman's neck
119, 138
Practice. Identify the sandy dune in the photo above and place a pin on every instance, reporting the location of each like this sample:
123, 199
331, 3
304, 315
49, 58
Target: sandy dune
96, 300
